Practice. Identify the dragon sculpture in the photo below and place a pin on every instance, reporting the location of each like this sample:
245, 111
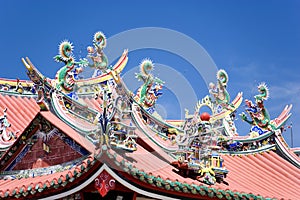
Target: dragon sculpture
100, 61
149, 92
219, 91
68, 74
259, 115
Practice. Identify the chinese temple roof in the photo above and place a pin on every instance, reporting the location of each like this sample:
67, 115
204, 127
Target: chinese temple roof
60, 136
263, 174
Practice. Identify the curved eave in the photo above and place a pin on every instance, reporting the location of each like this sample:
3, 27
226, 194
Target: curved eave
118, 67
296, 150
156, 120
287, 153
254, 151
236, 102
69, 119
250, 140
142, 133
156, 186
104, 167
158, 177
40, 186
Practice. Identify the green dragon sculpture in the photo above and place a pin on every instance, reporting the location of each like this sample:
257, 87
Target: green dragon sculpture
220, 92
148, 93
66, 76
259, 114
100, 61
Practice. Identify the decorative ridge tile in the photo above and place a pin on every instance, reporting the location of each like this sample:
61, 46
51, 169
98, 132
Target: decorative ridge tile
167, 184
40, 186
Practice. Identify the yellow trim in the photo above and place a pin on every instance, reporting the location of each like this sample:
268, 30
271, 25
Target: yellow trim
207, 169
236, 105
28, 67
14, 82
175, 123
118, 67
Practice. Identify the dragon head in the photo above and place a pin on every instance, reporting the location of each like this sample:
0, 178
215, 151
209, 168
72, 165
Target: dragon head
65, 50
222, 76
264, 92
146, 66
99, 40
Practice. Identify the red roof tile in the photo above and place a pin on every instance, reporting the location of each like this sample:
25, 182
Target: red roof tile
20, 111
68, 131
16, 185
265, 174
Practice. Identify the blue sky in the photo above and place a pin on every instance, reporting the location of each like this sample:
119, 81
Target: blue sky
254, 41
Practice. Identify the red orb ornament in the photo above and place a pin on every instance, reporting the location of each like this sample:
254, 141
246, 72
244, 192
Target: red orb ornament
205, 116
